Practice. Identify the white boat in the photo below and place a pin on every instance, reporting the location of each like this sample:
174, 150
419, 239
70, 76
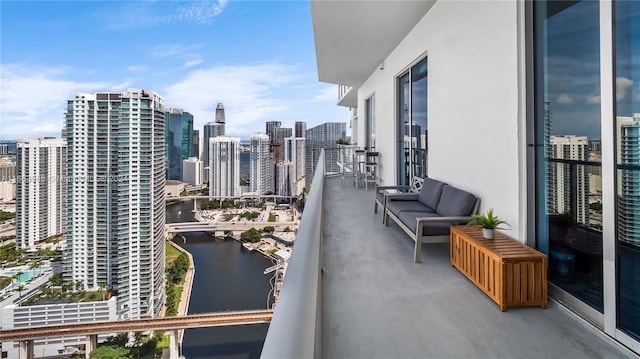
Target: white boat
247, 246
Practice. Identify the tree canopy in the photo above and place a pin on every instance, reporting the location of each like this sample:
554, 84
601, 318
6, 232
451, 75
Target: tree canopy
252, 235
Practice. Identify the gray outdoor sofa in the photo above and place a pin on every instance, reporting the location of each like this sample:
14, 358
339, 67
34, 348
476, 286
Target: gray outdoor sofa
427, 215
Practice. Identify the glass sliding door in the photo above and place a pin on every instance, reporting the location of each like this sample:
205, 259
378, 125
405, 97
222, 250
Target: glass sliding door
370, 115
412, 123
568, 162
627, 149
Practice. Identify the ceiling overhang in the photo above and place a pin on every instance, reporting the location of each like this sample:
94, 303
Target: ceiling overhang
353, 37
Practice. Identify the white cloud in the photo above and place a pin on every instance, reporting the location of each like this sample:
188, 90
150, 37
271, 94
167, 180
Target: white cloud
249, 94
171, 50
623, 88
593, 99
138, 68
192, 63
565, 99
329, 93
33, 99
145, 14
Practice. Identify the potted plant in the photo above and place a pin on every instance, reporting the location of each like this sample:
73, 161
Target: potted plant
489, 223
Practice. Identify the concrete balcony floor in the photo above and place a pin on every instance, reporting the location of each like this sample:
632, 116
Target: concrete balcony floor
377, 303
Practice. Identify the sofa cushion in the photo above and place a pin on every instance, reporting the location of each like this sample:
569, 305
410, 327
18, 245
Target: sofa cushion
455, 202
397, 206
430, 192
430, 229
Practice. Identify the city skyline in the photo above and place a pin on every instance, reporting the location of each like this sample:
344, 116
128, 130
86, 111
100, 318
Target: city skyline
255, 57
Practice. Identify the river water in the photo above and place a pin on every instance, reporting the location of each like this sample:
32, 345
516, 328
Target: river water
227, 277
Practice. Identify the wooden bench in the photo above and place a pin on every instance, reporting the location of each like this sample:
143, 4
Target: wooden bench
510, 273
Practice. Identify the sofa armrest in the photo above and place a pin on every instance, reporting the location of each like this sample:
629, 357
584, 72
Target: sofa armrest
408, 196
400, 188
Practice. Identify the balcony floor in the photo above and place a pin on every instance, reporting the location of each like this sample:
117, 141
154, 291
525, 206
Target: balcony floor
377, 303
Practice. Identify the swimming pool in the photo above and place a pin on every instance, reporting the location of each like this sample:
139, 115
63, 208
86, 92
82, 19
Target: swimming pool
26, 273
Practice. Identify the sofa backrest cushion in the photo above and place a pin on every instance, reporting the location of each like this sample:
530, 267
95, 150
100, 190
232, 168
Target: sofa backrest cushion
430, 192
455, 202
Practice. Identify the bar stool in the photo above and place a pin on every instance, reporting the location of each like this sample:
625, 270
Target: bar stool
371, 169
359, 168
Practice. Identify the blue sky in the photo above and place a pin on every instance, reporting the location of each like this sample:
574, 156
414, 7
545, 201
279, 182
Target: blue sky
256, 57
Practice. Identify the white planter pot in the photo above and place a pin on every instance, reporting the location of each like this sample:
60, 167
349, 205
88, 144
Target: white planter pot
488, 233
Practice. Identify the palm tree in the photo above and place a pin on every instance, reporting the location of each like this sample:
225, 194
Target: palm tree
20, 289
102, 288
18, 275
33, 266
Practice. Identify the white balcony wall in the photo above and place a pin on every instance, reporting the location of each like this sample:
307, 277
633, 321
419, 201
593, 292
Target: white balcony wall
475, 116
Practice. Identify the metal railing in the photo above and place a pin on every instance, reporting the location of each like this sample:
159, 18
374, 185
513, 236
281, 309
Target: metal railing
294, 331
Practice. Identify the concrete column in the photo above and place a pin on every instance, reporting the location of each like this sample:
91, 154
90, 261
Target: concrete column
174, 345
90, 344
26, 349
195, 205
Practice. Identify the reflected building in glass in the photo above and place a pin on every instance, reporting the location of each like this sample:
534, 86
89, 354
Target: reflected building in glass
629, 179
569, 178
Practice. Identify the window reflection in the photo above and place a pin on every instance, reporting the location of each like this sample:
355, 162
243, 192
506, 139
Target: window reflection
569, 204
412, 123
627, 75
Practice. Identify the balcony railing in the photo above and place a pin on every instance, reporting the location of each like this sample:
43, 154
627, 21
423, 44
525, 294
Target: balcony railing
294, 331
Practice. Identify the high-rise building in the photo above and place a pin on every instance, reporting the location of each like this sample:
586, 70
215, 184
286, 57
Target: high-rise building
322, 136
7, 169
224, 166
277, 142
560, 197
192, 171
300, 129
294, 152
116, 197
213, 129
270, 128
195, 150
220, 113
41, 191
284, 178
7, 179
261, 180
627, 155
179, 141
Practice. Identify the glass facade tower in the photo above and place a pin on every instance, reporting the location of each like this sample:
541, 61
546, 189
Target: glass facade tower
179, 141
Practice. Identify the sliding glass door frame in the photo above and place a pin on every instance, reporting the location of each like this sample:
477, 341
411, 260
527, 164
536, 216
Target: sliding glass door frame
406, 157
608, 320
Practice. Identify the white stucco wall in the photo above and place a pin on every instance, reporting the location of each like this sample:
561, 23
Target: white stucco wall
474, 111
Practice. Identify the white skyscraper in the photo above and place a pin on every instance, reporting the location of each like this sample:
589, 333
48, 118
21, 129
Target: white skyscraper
224, 166
294, 152
192, 171
41, 190
284, 176
260, 164
116, 197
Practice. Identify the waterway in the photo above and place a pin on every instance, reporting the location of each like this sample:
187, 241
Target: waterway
227, 277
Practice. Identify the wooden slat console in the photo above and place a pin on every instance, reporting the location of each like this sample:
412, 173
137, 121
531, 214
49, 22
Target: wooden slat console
510, 273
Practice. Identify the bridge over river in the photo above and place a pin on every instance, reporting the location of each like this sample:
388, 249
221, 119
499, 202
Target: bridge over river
26, 335
172, 229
